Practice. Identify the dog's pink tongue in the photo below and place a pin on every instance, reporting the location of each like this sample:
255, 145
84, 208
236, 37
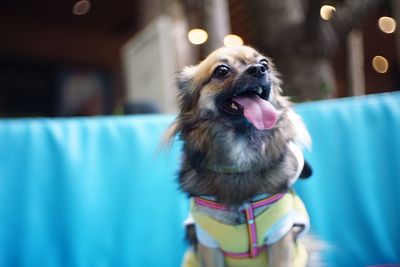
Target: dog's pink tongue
258, 111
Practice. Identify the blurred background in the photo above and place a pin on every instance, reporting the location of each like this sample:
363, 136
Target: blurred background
96, 57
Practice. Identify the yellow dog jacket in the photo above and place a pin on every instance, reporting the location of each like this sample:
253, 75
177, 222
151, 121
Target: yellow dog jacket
245, 244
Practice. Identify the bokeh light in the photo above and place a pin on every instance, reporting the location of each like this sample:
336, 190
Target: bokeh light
81, 7
380, 64
387, 24
327, 12
232, 40
197, 36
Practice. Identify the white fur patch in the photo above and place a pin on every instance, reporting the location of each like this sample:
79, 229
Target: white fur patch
302, 136
238, 151
189, 71
206, 101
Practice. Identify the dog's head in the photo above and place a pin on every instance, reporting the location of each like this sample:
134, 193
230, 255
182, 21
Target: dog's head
234, 85
232, 115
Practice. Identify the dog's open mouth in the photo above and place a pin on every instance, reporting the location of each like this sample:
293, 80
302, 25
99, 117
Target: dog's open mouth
254, 106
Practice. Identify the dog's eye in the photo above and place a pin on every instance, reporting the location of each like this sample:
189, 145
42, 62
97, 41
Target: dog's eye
264, 62
221, 72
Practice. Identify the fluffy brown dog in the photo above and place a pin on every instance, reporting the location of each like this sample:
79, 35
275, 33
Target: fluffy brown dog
241, 156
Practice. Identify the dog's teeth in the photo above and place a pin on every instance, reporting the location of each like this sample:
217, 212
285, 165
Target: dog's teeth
259, 90
233, 106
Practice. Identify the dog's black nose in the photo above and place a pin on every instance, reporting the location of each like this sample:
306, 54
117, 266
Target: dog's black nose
256, 70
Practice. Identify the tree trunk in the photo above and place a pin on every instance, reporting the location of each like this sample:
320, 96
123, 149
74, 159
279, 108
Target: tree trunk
216, 13
355, 63
306, 78
287, 37
302, 44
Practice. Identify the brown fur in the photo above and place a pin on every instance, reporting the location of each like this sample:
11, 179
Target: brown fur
209, 137
226, 157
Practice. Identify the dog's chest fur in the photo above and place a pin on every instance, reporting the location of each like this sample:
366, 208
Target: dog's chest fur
233, 187
241, 152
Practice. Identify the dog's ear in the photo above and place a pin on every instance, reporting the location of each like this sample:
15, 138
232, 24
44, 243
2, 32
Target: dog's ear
185, 78
187, 87
185, 83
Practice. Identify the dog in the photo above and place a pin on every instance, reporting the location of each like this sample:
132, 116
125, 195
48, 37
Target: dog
242, 152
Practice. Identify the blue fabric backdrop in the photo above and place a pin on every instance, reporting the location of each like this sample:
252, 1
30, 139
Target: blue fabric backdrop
98, 192
354, 196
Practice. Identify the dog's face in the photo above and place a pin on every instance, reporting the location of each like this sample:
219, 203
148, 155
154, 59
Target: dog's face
235, 86
232, 116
